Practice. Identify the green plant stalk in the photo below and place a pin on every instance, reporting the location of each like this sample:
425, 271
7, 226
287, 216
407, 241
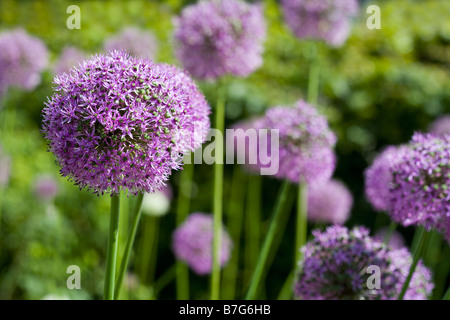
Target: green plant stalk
447, 295
417, 254
302, 220
126, 256
183, 207
252, 225
235, 214
314, 75
218, 194
149, 240
111, 254
164, 280
416, 238
257, 275
389, 232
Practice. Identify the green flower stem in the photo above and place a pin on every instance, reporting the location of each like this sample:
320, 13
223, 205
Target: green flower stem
164, 280
126, 256
218, 191
252, 225
417, 254
286, 289
447, 295
235, 215
389, 232
183, 207
113, 241
148, 249
416, 238
314, 75
302, 219
257, 275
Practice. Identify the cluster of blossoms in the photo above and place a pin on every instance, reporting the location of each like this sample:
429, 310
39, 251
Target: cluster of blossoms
4, 169
22, 59
192, 243
136, 42
420, 188
378, 176
334, 265
215, 38
118, 121
305, 143
45, 188
441, 126
329, 202
327, 19
69, 57
158, 203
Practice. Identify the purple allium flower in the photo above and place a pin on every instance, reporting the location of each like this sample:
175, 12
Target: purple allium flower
327, 19
420, 189
69, 57
395, 242
334, 267
5, 164
329, 202
192, 243
306, 143
22, 58
157, 203
215, 38
441, 126
117, 121
140, 43
378, 177
45, 188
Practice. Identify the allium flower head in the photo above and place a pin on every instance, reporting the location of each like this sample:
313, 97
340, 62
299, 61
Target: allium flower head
378, 177
45, 188
420, 190
326, 19
140, 43
69, 57
334, 267
118, 121
158, 203
22, 58
192, 243
441, 126
4, 169
215, 38
306, 142
329, 202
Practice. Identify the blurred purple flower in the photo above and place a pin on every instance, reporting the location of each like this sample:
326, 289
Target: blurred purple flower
420, 190
118, 121
22, 59
329, 202
215, 38
140, 43
328, 19
395, 242
69, 57
378, 177
192, 243
441, 126
334, 267
45, 188
5, 167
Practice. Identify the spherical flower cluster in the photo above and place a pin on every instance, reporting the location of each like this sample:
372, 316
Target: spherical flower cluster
192, 243
334, 267
378, 177
420, 188
45, 188
158, 203
306, 143
142, 44
69, 57
329, 202
22, 59
118, 121
4, 169
215, 38
441, 126
327, 19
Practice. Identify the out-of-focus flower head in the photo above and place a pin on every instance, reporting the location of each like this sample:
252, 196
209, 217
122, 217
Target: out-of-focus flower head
140, 43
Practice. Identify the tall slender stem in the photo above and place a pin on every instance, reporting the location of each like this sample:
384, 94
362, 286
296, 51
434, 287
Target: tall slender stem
417, 254
183, 207
218, 191
302, 219
389, 232
148, 249
126, 256
257, 275
447, 295
314, 75
111, 254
